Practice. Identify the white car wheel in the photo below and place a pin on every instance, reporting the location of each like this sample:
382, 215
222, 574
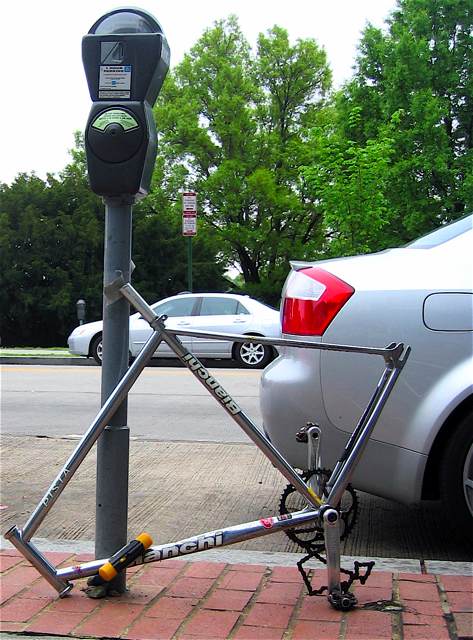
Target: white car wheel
252, 355
96, 349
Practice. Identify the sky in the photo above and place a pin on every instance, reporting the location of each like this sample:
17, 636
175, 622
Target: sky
44, 95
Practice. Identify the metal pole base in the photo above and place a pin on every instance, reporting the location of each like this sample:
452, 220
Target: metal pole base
112, 497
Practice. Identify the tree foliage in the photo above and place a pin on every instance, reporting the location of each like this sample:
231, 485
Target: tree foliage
234, 125
51, 248
348, 180
418, 75
51, 254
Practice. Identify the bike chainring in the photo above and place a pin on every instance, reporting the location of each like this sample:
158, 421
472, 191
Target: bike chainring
311, 538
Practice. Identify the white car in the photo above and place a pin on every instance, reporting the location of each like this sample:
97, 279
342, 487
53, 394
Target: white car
421, 295
219, 312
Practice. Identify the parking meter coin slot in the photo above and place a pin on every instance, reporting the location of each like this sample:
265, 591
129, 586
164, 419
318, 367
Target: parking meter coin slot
115, 135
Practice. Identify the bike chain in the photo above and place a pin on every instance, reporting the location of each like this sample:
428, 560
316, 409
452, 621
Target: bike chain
343, 600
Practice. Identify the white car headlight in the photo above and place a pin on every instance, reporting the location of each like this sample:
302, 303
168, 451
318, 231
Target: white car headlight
79, 331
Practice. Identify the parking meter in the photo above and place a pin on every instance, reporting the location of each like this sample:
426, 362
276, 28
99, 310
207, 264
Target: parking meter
126, 58
80, 308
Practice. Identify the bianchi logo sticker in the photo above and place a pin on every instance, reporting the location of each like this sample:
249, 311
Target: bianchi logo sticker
267, 522
218, 391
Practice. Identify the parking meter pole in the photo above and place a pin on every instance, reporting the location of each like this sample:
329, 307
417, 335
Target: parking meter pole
113, 444
126, 58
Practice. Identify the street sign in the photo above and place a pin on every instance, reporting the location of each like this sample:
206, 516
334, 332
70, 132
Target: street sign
189, 225
189, 202
189, 213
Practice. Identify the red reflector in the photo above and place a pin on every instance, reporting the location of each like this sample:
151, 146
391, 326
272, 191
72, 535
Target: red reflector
313, 297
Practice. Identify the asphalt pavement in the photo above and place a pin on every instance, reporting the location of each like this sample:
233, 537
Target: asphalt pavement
165, 403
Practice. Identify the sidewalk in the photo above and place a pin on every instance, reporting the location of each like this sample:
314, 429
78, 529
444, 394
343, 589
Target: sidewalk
183, 600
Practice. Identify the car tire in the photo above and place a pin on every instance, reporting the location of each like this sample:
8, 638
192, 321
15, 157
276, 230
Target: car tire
253, 356
96, 349
456, 478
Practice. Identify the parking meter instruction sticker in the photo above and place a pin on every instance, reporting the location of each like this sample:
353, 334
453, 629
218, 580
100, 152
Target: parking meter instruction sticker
115, 77
115, 116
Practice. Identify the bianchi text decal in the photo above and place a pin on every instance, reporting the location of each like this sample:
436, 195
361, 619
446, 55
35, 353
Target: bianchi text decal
218, 391
201, 543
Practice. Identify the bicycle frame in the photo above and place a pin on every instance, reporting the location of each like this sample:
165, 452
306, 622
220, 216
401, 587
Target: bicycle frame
318, 508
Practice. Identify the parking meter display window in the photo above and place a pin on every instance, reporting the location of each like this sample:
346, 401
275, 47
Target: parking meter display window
115, 116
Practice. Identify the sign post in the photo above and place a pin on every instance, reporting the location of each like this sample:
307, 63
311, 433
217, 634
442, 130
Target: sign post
189, 228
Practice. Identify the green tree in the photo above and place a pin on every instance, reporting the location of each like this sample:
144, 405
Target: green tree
419, 73
51, 239
348, 180
233, 126
51, 253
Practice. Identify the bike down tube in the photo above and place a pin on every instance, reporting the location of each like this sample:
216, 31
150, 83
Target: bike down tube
202, 542
391, 354
20, 537
228, 403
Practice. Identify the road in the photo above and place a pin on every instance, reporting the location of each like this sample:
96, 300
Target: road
166, 403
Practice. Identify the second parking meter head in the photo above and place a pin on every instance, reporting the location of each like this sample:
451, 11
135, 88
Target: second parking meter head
126, 58
80, 309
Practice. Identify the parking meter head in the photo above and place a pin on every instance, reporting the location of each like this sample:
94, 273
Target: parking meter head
126, 58
80, 308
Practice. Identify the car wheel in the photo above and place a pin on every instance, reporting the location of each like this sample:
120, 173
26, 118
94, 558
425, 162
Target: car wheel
456, 478
252, 355
96, 349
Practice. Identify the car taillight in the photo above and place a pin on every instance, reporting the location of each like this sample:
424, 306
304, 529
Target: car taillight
313, 297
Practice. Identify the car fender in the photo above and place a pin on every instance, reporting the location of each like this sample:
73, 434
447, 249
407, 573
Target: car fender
438, 404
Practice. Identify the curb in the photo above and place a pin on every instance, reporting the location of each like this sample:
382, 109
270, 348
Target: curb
87, 362
90, 362
271, 558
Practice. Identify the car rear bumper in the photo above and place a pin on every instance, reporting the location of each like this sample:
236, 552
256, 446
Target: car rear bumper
290, 397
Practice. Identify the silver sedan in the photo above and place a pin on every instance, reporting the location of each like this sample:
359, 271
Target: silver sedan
219, 312
421, 295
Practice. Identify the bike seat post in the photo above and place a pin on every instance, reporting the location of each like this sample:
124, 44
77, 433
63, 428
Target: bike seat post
314, 438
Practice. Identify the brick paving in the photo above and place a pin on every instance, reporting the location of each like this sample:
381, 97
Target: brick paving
179, 600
